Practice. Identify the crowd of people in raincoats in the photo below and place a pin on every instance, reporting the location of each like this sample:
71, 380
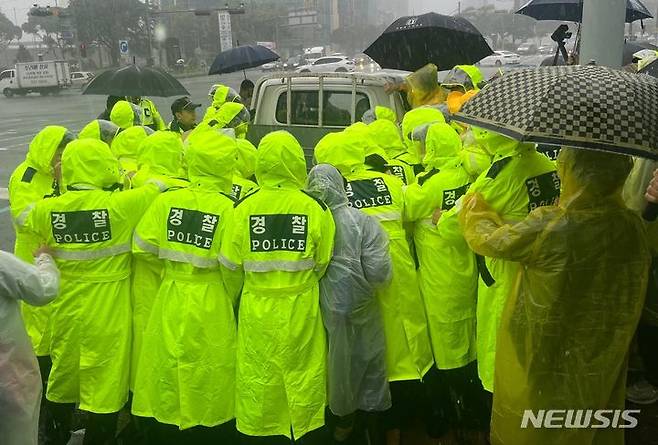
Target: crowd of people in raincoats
424, 275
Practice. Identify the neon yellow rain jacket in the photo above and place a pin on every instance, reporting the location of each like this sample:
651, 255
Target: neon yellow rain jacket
160, 158
125, 147
222, 95
151, 116
387, 136
448, 272
569, 320
125, 115
408, 349
32, 181
243, 179
412, 120
100, 129
186, 373
283, 241
519, 180
89, 230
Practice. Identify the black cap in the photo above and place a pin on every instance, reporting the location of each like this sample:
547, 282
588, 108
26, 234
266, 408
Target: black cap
184, 103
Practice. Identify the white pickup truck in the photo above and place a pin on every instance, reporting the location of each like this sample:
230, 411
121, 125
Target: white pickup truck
44, 77
321, 103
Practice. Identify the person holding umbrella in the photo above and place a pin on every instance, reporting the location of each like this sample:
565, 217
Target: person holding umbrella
150, 115
567, 325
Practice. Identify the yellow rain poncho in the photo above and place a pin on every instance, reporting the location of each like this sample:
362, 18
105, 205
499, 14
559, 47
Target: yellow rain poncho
243, 179
569, 320
31, 182
100, 129
89, 231
423, 87
125, 147
283, 241
160, 158
519, 181
408, 350
186, 373
412, 120
448, 272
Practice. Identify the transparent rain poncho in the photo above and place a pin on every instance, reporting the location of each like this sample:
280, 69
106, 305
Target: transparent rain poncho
20, 382
361, 263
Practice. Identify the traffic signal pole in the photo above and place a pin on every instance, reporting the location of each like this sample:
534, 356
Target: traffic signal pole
603, 32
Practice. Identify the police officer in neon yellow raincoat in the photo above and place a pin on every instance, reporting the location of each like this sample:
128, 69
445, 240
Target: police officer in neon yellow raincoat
448, 293
32, 181
233, 115
186, 373
89, 229
283, 240
100, 129
222, 94
412, 120
160, 158
519, 180
125, 147
243, 178
387, 136
568, 323
408, 350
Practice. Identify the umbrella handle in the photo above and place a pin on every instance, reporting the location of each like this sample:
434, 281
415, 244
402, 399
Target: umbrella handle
650, 212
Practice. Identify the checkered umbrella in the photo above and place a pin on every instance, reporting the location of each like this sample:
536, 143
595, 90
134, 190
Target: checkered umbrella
578, 106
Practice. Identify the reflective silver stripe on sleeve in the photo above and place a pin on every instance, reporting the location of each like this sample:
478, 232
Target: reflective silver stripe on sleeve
230, 265
387, 216
20, 219
184, 257
82, 255
285, 266
144, 245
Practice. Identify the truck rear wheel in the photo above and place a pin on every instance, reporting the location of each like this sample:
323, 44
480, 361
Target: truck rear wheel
7, 92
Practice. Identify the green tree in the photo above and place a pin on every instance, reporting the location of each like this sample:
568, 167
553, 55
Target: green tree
8, 31
108, 21
23, 55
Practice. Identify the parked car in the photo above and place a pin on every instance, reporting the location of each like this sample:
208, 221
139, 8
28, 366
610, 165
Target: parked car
527, 49
81, 78
293, 63
547, 49
272, 66
338, 64
500, 58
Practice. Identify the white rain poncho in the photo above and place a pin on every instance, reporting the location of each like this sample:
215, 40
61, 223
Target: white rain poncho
357, 359
20, 381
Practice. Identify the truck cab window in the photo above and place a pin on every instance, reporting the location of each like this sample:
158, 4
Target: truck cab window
336, 113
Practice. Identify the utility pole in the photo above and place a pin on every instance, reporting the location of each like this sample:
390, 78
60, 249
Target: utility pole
603, 32
149, 60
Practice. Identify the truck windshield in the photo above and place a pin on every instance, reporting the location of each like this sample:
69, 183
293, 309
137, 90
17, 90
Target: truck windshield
337, 108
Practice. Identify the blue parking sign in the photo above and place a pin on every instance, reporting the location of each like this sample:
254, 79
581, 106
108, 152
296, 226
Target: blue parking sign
123, 47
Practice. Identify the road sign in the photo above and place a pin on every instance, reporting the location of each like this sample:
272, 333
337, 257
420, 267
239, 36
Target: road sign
66, 35
123, 47
225, 34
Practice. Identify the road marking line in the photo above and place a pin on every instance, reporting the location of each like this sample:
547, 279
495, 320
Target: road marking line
4, 210
4, 193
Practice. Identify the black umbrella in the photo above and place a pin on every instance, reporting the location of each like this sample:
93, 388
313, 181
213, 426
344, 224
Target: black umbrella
587, 106
133, 80
410, 43
241, 58
630, 48
572, 10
